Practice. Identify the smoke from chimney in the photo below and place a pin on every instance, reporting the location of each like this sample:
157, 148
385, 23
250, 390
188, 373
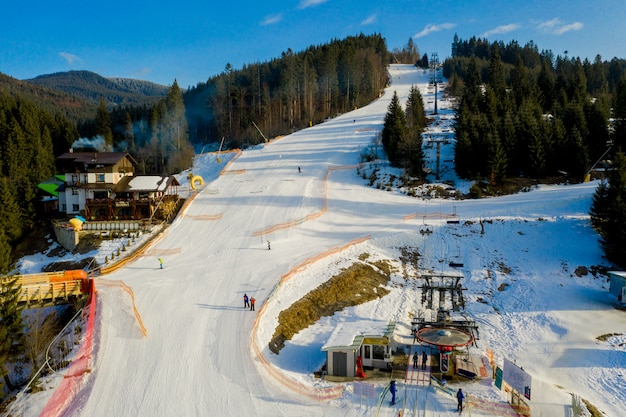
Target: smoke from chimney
97, 143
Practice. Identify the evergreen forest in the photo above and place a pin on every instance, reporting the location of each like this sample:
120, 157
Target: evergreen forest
522, 112
525, 113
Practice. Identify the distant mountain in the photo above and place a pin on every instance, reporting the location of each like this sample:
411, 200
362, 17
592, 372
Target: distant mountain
53, 101
91, 87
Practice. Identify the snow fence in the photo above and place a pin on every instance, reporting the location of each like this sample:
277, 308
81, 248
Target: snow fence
73, 380
311, 216
317, 394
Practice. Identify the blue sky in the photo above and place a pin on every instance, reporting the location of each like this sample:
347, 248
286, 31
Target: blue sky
192, 40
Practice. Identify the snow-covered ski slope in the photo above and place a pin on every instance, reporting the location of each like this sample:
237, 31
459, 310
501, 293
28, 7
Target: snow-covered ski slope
197, 358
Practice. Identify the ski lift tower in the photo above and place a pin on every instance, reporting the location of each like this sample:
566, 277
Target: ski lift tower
446, 288
435, 74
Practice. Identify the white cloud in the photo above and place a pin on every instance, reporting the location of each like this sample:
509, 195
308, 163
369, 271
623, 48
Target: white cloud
434, 28
70, 58
500, 30
310, 3
570, 27
557, 27
369, 20
272, 19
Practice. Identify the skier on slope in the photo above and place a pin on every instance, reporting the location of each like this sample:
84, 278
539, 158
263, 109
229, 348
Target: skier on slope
245, 301
393, 389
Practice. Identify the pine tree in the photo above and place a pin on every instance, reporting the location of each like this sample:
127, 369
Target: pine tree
537, 157
497, 160
575, 157
509, 140
412, 143
463, 155
519, 81
608, 212
103, 124
415, 114
5, 253
596, 119
174, 132
11, 329
619, 110
545, 84
10, 211
495, 73
394, 129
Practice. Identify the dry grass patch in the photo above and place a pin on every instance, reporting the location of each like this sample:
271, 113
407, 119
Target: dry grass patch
605, 337
592, 409
353, 286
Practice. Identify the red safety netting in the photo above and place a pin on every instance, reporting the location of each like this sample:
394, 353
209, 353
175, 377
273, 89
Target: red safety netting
72, 382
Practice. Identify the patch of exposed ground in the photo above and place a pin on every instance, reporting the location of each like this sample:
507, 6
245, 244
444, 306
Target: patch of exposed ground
354, 285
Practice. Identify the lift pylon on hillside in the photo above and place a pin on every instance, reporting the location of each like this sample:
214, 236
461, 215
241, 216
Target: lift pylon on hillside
437, 288
219, 150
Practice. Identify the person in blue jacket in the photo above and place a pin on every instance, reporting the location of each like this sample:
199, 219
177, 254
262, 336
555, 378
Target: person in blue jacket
392, 389
459, 398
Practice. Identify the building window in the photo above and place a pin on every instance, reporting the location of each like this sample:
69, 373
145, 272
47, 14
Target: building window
63, 208
74, 191
99, 177
75, 207
378, 352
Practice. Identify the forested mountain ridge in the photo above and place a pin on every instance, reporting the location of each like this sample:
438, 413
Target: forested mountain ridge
287, 93
53, 101
91, 87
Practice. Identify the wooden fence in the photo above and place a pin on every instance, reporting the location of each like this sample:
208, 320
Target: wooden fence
52, 287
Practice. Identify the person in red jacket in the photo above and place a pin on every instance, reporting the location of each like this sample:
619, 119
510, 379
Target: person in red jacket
252, 300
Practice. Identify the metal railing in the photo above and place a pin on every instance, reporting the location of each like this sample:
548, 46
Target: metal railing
57, 358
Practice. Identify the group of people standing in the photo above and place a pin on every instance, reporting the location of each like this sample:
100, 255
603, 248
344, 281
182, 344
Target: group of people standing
424, 359
248, 302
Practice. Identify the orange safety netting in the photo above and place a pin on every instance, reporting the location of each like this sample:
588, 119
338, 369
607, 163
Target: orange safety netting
129, 291
71, 384
318, 394
308, 217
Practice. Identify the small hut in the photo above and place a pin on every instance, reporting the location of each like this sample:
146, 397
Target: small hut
368, 340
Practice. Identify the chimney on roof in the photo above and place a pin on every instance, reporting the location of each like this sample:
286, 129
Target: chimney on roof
71, 150
95, 156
